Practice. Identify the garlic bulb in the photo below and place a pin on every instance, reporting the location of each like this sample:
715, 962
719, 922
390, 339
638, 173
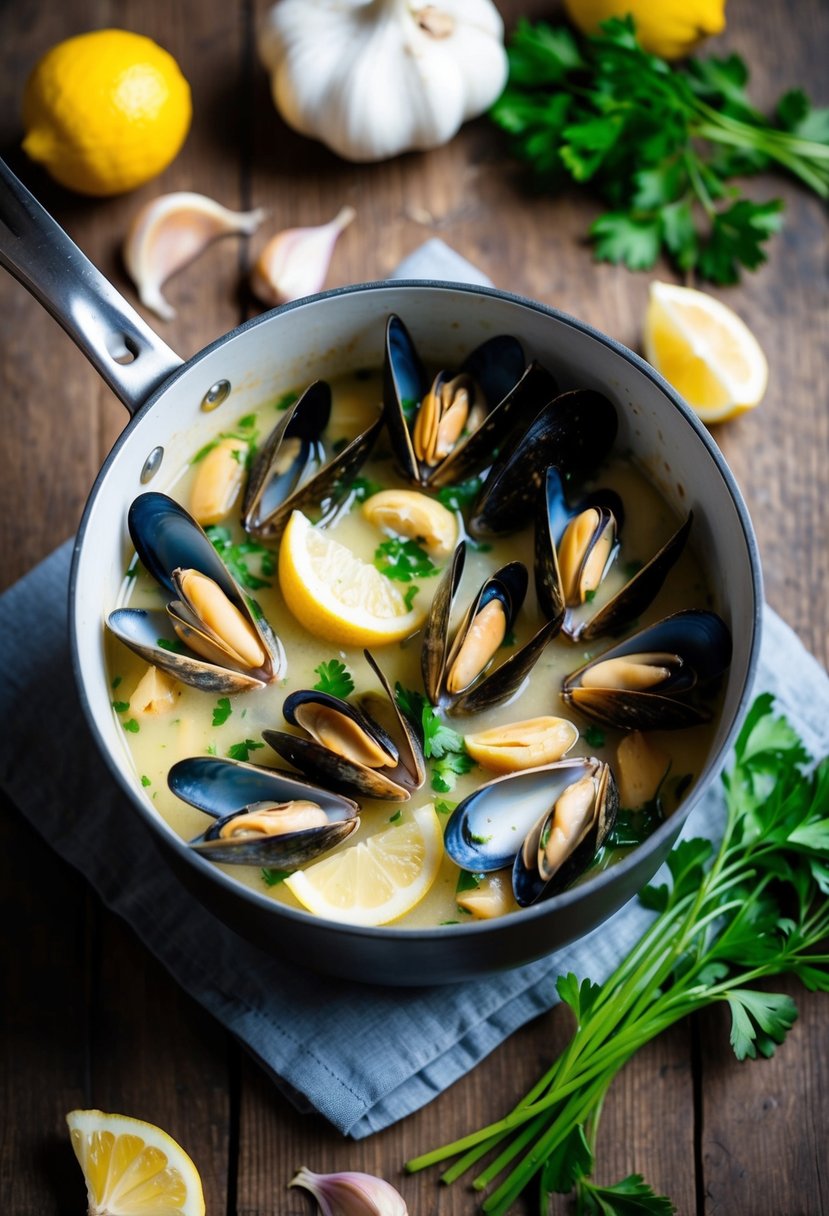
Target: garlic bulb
372, 78
171, 231
351, 1194
294, 263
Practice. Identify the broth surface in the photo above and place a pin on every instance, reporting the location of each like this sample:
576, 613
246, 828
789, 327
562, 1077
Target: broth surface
196, 726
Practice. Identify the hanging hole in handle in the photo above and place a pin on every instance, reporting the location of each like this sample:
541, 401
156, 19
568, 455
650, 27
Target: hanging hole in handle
122, 349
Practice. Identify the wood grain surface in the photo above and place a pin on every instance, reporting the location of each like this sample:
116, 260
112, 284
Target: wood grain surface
88, 1016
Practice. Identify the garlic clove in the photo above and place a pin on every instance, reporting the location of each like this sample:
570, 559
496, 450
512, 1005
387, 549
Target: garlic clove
351, 1194
171, 231
294, 263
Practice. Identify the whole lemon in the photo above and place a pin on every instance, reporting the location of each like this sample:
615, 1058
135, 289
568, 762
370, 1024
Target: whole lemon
105, 111
670, 28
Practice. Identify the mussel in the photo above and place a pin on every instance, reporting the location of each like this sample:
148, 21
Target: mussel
264, 817
456, 674
547, 823
653, 680
366, 747
445, 432
574, 431
291, 472
575, 548
212, 635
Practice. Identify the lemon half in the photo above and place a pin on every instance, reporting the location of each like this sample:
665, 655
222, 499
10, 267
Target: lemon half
337, 596
379, 879
705, 351
133, 1168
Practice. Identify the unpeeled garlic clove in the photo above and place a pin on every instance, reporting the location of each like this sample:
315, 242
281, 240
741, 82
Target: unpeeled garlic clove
171, 231
352, 1194
294, 263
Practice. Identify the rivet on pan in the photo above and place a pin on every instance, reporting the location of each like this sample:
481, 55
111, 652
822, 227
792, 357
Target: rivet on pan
152, 464
215, 395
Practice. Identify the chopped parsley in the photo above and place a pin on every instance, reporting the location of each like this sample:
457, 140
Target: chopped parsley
272, 878
286, 400
396, 817
409, 596
438, 740
594, 736
467, 881
403, 560
211, 749
116, 680
120, 707
241, 751
334, 678
443, 807
145, 781
132, 726
221, 711
409, 407
446, 771
590, 595
238, 556
486, 839
461, 495
363, 488
171, 644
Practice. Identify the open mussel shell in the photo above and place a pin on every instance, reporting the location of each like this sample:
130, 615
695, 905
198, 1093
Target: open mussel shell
651, 681
566, 837
574, 431
174, 550
229, 790
487, 829
501, 388
291, 473
552, 581
458, 675
347, 748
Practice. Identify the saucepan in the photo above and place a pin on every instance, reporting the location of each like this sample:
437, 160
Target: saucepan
173, 410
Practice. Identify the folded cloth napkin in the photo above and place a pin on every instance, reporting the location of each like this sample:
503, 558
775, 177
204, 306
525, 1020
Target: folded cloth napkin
363, 1057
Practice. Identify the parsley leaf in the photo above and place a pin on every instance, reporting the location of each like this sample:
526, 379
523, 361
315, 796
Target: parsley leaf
120, 707
447, 770
237, 558
145, 781
334, 678
131, 725
659, 143
272, 878
409, 596
286, 400
241, 751
630, 1197
221, 711
437, 738
456, 497
363, 488
403, 560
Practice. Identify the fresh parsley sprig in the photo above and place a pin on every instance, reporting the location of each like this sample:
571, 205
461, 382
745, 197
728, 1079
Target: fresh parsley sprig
403, 560
660, 144
755, 908
441, 744
334, 678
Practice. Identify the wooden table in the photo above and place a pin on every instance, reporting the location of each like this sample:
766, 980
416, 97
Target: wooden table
89, 1017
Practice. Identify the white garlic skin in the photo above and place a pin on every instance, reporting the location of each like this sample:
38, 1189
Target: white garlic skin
294, 263
172, 230
372, 78
352, 1194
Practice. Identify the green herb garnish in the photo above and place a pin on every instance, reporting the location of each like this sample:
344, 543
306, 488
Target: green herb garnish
145, 781
461, 495
409, 407
403, 560
131, 725
396, 817
443, 807
467, 881
409, 596
221, 711
120, 707
659, 143
237, 558
446, 771
730, 918
171, 644
241, 751
116, 680
211, 749
594, 736
272, 878
363, 488
286, 400
334, 678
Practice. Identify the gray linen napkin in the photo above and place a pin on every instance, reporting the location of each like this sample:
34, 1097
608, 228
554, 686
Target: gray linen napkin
363, 1057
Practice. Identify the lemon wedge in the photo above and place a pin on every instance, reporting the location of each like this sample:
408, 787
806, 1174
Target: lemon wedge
133, 1168
337, 596
379, 879
705, 351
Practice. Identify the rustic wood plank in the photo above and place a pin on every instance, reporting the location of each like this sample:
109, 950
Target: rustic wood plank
44, 950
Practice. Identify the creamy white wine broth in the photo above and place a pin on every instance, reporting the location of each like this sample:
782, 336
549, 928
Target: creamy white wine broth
199, 725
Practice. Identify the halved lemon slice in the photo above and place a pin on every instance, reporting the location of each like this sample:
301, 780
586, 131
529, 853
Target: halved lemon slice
379, 879
337, 596
133, 1168
705, 351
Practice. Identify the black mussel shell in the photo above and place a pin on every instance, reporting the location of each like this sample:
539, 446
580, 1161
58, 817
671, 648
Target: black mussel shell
487, 829
226, 788
309, 483
529, 886
510, 387
167, 538
701, 642
574, 431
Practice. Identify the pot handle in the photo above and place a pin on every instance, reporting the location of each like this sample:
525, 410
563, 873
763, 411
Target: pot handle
132, 359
